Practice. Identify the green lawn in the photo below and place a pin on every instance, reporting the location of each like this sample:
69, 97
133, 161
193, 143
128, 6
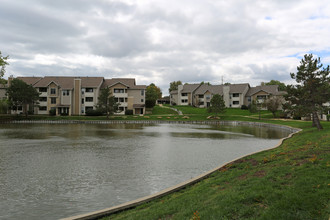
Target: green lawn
157, 110
289, 182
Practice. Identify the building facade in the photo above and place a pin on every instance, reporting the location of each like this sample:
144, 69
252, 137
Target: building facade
77, 95
234, 95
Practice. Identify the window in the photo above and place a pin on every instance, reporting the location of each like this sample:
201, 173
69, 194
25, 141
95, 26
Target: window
43, 89
53, 100
249, 99
53, 91
142, 92
43, 108
116, 99
66, 92
42, 99
121, 99
88, 109
261, 97
184, 100
184, 94
200, 96
89, 99
235, 102
82, 101
82, 92
235, 94
20, 108
142, 100
119, 90
89, 89
208, 97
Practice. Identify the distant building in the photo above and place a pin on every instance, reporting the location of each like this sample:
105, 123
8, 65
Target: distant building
234, 95
76, 95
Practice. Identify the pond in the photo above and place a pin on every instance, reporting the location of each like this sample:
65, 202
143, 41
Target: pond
51, 171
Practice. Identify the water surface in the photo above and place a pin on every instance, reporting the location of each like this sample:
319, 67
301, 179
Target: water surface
51, 171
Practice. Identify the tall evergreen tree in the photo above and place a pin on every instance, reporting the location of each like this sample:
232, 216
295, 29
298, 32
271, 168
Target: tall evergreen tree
106, 102
312, 89
217, 104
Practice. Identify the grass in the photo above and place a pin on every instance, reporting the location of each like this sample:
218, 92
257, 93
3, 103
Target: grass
157, 110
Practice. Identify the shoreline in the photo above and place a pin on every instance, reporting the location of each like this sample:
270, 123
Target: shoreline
131, 204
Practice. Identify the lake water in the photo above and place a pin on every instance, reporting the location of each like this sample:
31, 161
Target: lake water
51, 171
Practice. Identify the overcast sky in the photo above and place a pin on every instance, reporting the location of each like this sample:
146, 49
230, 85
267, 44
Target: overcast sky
243, 41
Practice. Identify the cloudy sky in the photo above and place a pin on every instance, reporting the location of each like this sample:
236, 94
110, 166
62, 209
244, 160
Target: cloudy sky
160, 41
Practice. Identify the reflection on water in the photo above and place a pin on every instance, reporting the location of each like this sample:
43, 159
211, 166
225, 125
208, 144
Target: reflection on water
53, 171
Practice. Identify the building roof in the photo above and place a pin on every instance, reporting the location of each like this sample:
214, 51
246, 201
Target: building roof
174, 92
129, 82
188, 88
67, 82
238, 88
214, 89
30, 80
270, 89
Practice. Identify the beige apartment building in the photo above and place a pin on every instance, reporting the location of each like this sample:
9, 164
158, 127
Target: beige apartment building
76, 95
234, 95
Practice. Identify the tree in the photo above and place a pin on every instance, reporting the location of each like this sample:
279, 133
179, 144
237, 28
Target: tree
21, 94
312, 90
106, 102
3, 63
152, 94
174, 85
272, 104
217, 104
281, 86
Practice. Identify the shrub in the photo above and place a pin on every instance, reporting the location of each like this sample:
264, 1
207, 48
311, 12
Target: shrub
150, 103
52, 112
129, 112
93, 112
244, 107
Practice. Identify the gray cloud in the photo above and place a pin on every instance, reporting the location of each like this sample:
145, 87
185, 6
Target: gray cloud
163, 41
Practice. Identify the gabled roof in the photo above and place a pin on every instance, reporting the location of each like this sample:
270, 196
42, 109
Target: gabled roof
30, 80
214, 89
174, 92
128, 82
270, 89
238, 88
67, 82
188, 88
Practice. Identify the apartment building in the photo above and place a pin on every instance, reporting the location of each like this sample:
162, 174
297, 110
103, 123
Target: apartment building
76, 95
127, 94
234, 95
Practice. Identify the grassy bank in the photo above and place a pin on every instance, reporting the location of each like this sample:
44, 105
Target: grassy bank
289, 182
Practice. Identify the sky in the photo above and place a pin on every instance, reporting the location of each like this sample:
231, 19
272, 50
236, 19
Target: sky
160, 41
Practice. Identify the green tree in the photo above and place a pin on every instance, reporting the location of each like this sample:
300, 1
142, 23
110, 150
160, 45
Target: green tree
106, 102
312, 89
174, 85
152, 94
281, 86
3, 63
4, 106
273, 104
21, 94
217, 104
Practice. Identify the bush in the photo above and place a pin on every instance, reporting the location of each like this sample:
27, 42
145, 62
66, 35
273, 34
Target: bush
328, 117
52, 112
252, 108
244, 107
93, 112
283, 115
150, 103
129, 112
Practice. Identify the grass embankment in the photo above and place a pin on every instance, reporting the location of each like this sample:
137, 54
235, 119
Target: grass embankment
289, 182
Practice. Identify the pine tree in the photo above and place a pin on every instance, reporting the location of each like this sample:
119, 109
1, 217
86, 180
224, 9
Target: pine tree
312, 89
